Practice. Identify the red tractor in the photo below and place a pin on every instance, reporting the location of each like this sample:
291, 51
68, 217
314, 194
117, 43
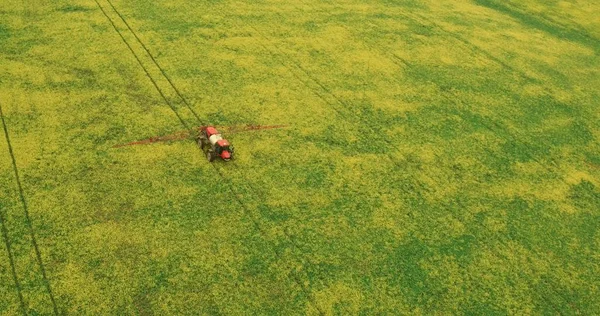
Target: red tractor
214, 145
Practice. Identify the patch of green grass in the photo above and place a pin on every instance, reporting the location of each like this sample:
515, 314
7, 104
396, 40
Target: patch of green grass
4, 32
536, 22
74, 8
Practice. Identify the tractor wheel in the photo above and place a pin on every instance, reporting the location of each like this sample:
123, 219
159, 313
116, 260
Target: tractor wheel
202, 140
210, 156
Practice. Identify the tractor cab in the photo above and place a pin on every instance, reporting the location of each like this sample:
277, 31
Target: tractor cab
223, 149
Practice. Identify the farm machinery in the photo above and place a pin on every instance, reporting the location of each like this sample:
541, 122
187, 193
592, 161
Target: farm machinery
208, 139
213, 144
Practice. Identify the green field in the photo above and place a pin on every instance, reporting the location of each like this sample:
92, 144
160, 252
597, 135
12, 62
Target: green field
440, 157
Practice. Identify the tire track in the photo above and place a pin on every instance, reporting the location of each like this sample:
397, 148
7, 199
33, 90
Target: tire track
264, 234
332, 106
482, 52
230, 185
11, 261
137, 58
328, 91
158, 89
324, 99
31, 231
404, 64
201, 121
320, 85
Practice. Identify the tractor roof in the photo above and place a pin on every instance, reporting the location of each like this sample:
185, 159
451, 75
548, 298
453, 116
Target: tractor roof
211, 131
222, 143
